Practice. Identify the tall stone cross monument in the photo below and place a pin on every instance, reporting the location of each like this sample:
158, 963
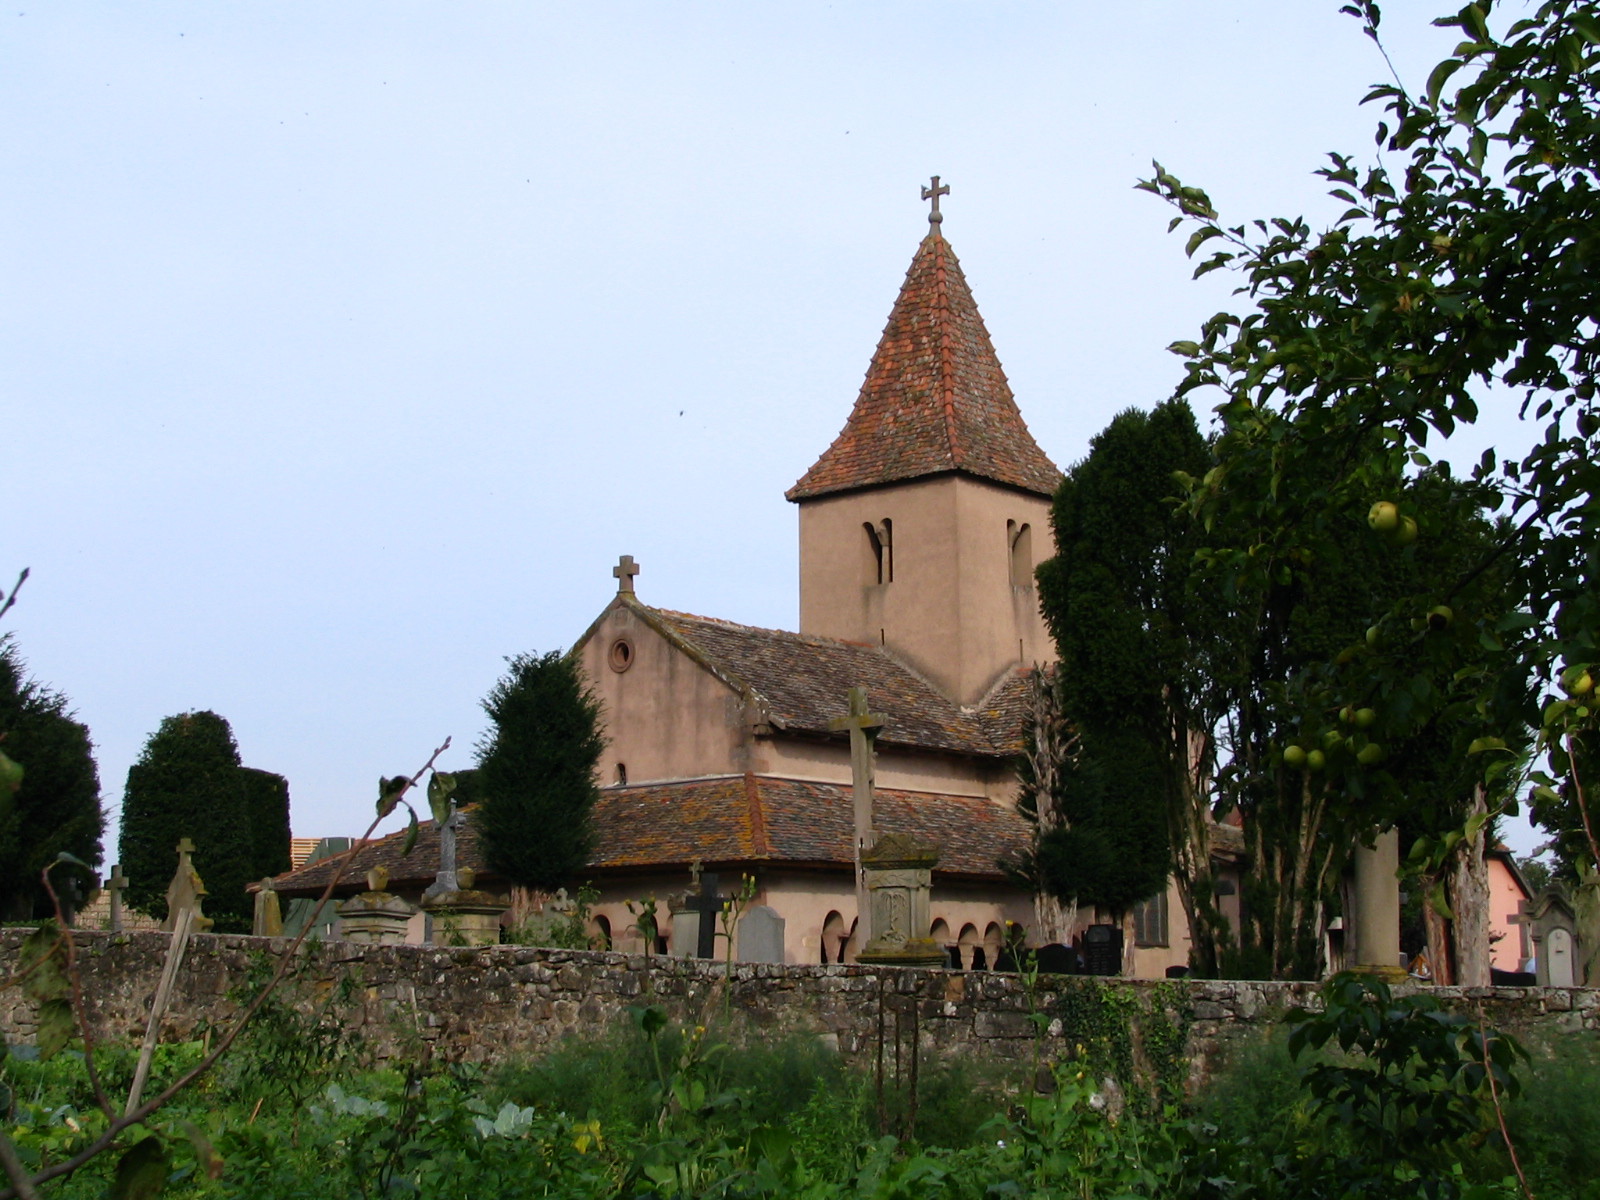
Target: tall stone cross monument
446, 881
863, 727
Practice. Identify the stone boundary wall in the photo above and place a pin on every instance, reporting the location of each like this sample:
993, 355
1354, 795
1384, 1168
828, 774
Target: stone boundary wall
499, 1002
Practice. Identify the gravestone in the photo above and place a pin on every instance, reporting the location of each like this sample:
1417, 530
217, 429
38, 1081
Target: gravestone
705, 906
899, 877
445, 881
186, 891
375, 917
116, 884
268, 920
1056, 959
1102, 950
1554, 934
465, 916
761, 935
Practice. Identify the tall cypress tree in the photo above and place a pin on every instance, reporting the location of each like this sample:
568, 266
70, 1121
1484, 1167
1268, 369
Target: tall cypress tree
56, 806
266, 798
188, 783
1118, 603
536, 771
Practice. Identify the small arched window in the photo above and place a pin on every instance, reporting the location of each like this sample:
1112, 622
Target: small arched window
1019, 546
880, 551
602, 933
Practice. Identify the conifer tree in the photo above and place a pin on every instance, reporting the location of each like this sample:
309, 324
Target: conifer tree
267, 806
55, 806
536, 772
1117, 601
188, 783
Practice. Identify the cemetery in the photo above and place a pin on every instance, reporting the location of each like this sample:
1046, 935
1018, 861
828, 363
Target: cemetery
1126, 830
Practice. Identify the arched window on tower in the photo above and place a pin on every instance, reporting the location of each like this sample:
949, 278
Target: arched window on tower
880, 551
1019, 544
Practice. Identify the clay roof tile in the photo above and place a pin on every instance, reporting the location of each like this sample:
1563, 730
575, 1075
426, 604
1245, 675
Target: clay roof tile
935, 399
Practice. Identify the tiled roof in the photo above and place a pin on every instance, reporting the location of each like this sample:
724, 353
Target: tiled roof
801, 681
727, 821
935, 399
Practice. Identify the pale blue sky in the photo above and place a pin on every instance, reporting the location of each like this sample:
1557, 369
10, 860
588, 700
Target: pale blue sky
344, 347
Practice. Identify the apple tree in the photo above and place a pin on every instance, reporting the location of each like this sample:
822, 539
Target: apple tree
1460, 278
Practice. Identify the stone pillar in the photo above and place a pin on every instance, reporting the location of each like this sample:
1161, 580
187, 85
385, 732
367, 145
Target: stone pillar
899, 879
1375, 919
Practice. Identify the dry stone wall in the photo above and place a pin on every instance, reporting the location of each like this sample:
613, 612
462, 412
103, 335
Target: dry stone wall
491, 1003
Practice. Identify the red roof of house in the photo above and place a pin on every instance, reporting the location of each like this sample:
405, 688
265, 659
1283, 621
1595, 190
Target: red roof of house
935, 399
725, 821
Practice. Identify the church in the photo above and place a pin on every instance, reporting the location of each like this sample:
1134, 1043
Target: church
728, 749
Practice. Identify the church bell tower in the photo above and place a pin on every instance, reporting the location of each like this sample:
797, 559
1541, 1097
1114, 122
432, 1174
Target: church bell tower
921, 525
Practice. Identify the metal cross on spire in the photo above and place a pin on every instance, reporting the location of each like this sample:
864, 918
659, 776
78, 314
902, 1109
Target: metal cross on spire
933, 193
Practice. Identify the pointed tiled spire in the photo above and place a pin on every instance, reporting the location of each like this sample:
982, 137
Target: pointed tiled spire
935, 398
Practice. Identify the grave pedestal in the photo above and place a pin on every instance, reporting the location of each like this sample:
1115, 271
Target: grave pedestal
465, 918
899, 878
375, 919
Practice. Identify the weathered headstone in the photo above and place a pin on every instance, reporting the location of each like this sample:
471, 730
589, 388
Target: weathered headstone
761, 935
464, 916
116, 884
268, 920
375, 917
1102, 950
186, 891
899, 877
1056, 959
1554, 934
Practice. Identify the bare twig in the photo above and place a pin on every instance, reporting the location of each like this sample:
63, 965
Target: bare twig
15, 588
136, 1115
1499, 1111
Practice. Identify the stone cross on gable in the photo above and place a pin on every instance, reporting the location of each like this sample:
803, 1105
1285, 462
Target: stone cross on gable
862, 725
933, 193
445, 880
624, 572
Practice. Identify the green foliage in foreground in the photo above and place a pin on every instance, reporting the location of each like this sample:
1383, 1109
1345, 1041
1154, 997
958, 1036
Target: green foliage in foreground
655, 1111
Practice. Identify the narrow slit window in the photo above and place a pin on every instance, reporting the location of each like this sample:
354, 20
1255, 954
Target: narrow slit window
1019, 542
880, 551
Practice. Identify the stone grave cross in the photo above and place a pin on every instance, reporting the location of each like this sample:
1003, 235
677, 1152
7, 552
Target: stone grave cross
862, 725
708, 905
445, 880
186, 891
116, 884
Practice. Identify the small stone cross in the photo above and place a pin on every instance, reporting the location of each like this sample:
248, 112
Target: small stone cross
624, 571
933, 193
115, 886
708, 904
